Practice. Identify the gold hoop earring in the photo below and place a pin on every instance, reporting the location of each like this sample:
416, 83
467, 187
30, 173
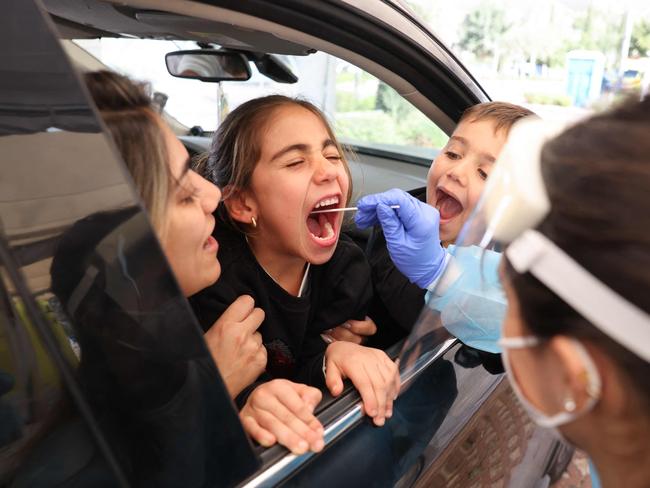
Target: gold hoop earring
253, 221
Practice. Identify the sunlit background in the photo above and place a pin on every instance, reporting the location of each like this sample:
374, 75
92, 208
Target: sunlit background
562, 58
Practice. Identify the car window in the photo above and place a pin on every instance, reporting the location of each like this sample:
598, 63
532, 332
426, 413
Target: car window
91, 318
364, 110
34, 407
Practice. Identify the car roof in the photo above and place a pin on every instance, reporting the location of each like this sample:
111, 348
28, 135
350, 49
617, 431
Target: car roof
99, 18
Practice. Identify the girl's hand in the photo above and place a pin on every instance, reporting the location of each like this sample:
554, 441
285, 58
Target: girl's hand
236, 346
372, 373
356, 331
282, 411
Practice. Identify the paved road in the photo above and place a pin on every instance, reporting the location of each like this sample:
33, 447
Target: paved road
577, 474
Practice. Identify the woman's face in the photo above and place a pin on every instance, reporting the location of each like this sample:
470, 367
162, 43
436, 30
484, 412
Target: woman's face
187, 235
300, 170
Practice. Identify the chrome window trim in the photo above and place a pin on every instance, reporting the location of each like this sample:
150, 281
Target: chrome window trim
290, 463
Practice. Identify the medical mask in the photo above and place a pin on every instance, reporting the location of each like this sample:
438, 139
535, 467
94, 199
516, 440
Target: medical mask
569, 413
470, 299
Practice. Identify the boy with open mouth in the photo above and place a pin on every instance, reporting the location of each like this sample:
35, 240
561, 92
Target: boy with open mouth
455, 182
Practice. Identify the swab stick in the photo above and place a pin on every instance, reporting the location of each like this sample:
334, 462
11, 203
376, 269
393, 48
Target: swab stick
345, 209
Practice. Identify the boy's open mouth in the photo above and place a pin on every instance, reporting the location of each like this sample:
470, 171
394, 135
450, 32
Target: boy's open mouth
322, 226
448, 205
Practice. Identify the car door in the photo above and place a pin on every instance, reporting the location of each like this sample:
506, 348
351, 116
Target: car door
454, 423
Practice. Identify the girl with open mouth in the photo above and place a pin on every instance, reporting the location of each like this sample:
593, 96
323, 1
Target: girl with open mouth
278, 162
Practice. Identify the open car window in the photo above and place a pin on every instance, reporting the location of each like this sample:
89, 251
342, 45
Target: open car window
105, 376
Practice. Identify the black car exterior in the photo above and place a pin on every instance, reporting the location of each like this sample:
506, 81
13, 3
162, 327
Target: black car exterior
64, 190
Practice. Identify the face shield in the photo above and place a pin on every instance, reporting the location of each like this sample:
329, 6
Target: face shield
468, 302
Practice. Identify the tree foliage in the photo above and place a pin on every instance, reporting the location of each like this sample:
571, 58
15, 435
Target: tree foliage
482, 30
640, 42
600, 30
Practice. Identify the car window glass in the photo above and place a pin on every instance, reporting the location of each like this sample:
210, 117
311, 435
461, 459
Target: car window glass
364, 110
92, 320
40, 426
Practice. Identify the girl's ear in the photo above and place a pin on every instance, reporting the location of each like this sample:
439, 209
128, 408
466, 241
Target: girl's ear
241, 206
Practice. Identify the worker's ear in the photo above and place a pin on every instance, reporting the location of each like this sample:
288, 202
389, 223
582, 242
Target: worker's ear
241, 206
576, 370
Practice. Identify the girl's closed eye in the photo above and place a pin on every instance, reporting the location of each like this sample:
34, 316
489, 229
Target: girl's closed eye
294, 163
333, 157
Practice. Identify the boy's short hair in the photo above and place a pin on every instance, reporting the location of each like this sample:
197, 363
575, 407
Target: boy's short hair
503, 114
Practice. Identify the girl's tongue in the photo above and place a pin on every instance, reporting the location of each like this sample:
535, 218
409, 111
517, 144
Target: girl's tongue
320, 226
448, 206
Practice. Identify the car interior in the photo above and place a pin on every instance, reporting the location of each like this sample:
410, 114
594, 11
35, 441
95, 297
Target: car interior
261, 50
375, 166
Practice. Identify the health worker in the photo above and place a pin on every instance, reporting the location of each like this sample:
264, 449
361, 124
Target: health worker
571, 214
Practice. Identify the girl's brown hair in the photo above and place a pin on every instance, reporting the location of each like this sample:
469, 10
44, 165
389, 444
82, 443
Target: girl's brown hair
127, 111
237, 145
597, 175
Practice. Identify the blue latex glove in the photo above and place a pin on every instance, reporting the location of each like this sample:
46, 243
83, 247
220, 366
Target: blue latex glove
411, 231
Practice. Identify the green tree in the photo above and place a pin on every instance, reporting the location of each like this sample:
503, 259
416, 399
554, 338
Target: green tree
482, 30
600, 30
640, 42
391, 102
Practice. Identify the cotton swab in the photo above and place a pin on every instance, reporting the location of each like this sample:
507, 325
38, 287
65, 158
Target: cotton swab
345, 209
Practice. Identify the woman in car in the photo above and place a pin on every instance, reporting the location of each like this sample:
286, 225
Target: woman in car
180, 204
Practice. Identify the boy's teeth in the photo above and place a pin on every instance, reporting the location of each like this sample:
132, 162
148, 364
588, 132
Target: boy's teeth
327, 201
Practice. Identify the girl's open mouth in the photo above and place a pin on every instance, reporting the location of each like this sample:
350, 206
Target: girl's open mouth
448, 205
322, 226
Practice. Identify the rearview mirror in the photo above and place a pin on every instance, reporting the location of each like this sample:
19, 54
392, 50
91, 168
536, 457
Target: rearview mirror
208, 65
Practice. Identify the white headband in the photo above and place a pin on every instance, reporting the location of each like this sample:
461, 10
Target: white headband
604, 308
515, 201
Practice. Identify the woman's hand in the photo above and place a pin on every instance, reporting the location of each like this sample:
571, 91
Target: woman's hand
372, 373
356, 331
236, 346
282, 411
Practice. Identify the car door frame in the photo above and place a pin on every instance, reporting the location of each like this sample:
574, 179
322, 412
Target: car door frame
442, 90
